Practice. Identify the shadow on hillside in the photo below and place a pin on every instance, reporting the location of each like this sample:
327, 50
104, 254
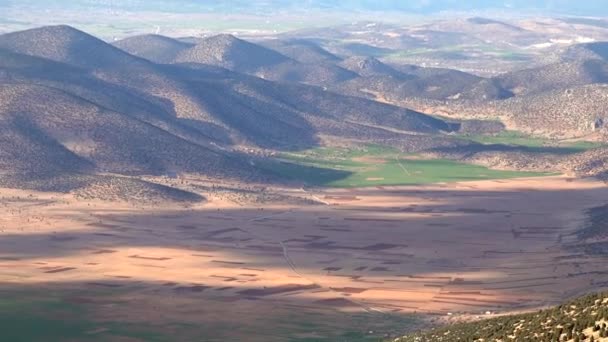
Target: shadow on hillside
473, 149
229, 98
301, 174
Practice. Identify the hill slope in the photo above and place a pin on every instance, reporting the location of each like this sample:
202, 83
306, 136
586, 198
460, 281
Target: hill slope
369, 66
112, 141
301, 50
555, 76
577, 110
155, 48
597, 50
425, 83
232, 53
67, 45
583, 319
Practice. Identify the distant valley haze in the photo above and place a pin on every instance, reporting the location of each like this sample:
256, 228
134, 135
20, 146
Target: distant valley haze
113, 18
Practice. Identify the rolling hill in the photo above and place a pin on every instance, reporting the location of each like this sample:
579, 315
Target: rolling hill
555, 76
312, 65
80, 116
434, 84
370, 66
574, 111
301, 50
596, 50
232, 53
155, 48
67, 45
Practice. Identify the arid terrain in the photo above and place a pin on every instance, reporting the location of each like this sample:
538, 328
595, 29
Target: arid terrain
393, 257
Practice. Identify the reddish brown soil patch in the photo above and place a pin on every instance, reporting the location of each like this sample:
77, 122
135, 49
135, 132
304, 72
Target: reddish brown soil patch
62, 269
149, 258
342, 198
269, 291
349, 289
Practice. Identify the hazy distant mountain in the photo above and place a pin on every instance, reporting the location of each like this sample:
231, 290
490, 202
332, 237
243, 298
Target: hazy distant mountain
301, 50
400, 82
156, 48
239, 55
556, 76
232, 53
369, 66
597, 50
320, 74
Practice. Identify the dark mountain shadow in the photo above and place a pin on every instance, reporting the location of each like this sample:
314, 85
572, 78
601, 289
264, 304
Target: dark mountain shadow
264, 123
471, 149
128, 309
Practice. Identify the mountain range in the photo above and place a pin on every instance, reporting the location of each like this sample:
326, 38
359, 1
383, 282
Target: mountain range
78, 106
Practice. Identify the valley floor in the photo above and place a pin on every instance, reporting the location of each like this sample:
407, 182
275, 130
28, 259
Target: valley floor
372, 262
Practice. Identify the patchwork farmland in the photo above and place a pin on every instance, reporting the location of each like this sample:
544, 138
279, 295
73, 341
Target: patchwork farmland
369, 263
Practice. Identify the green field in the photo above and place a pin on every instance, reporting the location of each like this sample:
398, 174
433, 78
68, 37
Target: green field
37, 315
50, 317
375, 166
514, 138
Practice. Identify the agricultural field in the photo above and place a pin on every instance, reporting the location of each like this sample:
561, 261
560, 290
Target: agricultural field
362, 265
27, 315
515, 138
56, 315
377, 166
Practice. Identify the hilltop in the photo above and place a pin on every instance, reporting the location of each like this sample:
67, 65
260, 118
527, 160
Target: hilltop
596, 50
156, 48
230, 52
370, 66
67, 45
555, 76
301, 50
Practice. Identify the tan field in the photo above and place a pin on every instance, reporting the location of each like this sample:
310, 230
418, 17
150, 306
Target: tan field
289, 271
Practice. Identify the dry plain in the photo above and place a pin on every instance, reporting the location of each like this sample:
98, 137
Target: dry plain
293, 272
